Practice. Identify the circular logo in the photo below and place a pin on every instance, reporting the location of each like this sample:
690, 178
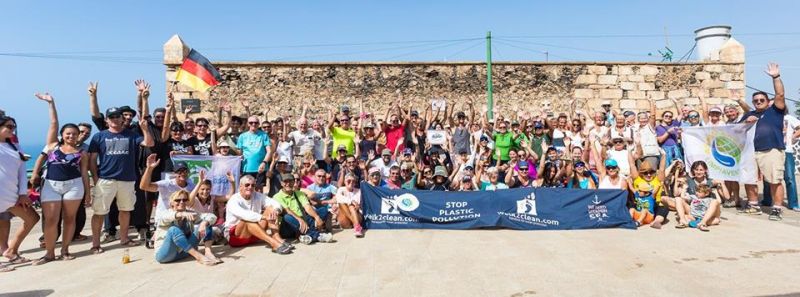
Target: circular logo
725, 150
407, 202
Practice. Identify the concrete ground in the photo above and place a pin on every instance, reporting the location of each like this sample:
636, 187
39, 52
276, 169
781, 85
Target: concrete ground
745, 256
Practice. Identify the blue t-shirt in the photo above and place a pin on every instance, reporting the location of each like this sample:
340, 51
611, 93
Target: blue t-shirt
117, 153
324, 192
254, 149
647, 202
769, 128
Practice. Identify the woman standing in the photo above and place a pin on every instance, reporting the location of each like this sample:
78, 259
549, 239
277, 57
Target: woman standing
14, 190
65, 184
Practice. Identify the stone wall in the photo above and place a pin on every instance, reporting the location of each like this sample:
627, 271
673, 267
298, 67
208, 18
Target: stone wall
285, 87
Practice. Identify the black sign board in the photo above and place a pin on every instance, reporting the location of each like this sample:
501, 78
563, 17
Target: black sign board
193, 102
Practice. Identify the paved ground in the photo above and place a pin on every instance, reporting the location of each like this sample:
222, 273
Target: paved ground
745, 256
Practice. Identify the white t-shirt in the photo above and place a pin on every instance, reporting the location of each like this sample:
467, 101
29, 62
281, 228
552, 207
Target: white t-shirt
13, 177
344, 196
309, 141
284, 149
378, 163
790, 123
240, 209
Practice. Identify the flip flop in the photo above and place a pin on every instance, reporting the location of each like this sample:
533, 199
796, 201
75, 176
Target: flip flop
6, 268
96, 250
703, 227
681, 226
18, 259
80, 237
130, 242
67, 256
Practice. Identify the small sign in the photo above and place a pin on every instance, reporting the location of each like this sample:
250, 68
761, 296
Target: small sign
438, 104
193, 102
437, 137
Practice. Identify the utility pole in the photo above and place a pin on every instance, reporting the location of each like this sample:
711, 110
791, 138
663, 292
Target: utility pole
489, 99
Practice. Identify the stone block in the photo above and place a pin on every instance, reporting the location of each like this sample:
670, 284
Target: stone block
637, 94
635, 78
721, 93
583, 93
586, 79
734, 85
642, 104
656, 95
713, 101
628, 86
607, 79
702, 75
627, 104
725, 76
650, 78
664, 104
712, 84
648, 70
678, 94
647, 86
712, 68
597, 69
611, 94
623, 70
691, 101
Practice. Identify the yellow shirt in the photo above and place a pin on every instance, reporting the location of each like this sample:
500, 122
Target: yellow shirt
342, 136
655, 183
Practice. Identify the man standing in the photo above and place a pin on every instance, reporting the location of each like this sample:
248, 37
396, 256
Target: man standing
300, 216
115, 175
769, 144
255, 147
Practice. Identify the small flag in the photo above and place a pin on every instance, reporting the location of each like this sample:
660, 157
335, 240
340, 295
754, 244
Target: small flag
197, 72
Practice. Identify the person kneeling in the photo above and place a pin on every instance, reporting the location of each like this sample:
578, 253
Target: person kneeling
251, 217
300, 216
702, 208
177, 236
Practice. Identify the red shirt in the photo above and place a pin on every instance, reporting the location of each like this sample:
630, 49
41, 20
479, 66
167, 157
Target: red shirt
393, 135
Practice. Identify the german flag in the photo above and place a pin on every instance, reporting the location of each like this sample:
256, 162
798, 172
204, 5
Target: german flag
197, 72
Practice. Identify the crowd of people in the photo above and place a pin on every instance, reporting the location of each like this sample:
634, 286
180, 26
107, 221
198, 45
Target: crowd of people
301, 174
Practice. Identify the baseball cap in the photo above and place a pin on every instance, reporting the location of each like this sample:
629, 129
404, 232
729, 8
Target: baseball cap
369, 125
341, 147
715, 108
612, 163
606, 102
374, 170
345, 108
414, 113
538, 125
283, 159
461, 114
484, 138
469, 166
287, 177
223, 143
408, 152
386, 152
522, 164
127, 109
514, 123
179, 166
113, 111
628, 113
440, 171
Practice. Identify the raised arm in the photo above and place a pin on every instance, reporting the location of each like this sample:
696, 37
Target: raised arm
703, 105
94, 110
148, 137
142, 97
52, 130
227, 123
740, 101
777, 83
145, 183
168, 118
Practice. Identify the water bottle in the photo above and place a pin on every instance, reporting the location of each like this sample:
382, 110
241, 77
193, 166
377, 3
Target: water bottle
126, 257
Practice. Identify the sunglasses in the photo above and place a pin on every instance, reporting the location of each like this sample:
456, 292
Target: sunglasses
252, 123
760, 100
694, 116
667, 115
617, 141
180, 200
320, 175
114, 116
201, 126
649, 173
612, 167
247, 185
10, 126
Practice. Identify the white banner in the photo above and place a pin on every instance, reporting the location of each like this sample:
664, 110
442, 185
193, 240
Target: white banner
215, 167
437, 137
727, 150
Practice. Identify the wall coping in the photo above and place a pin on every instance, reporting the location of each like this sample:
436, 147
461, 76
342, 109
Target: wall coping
459, 63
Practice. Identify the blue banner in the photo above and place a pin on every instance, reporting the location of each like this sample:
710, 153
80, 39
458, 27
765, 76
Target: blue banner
521, 209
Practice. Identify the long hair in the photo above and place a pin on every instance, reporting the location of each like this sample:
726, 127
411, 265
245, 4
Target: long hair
3, 120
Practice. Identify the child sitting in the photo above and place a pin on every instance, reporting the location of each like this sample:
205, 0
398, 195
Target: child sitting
201, 201
699, 210
643, 212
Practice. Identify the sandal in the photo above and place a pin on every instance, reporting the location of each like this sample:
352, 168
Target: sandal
6, 268
43, 260
130, 242
681, 226
207, 262
96, 250
66, 256
17, 259
703, 227
80, 237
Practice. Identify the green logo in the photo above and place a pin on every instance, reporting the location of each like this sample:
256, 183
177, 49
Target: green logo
725, 150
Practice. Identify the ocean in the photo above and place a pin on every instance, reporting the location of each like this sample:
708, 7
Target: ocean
33, 150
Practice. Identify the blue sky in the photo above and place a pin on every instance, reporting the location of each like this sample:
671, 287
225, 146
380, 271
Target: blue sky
92, 38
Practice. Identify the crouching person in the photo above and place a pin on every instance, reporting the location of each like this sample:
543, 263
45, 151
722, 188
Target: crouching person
302, 218
252, 217
177, 237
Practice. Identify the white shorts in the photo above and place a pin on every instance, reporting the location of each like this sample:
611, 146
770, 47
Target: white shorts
54, 191
108, 189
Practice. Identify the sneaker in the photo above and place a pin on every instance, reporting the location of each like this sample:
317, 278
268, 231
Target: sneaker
797, 209
729, 204
305, 239
290, 245
752, 209
282, 250
358, 231
325, 237
108, 238
775, 214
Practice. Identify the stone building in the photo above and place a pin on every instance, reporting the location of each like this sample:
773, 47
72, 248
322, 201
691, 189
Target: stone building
285, 87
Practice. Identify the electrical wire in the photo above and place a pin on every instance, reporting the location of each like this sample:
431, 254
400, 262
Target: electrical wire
533, 50
426, 50
469, 47
633, 35
577, 48
771, 94
359, 51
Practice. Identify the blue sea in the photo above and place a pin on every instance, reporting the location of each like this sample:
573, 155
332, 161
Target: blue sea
33, 150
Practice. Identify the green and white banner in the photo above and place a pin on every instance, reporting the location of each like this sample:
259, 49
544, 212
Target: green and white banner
215, 168
727, 150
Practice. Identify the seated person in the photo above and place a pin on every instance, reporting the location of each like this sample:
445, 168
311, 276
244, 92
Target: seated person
349, 200
644, 211
301, 218
252, 217
202, 201
177, 236
702, 209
